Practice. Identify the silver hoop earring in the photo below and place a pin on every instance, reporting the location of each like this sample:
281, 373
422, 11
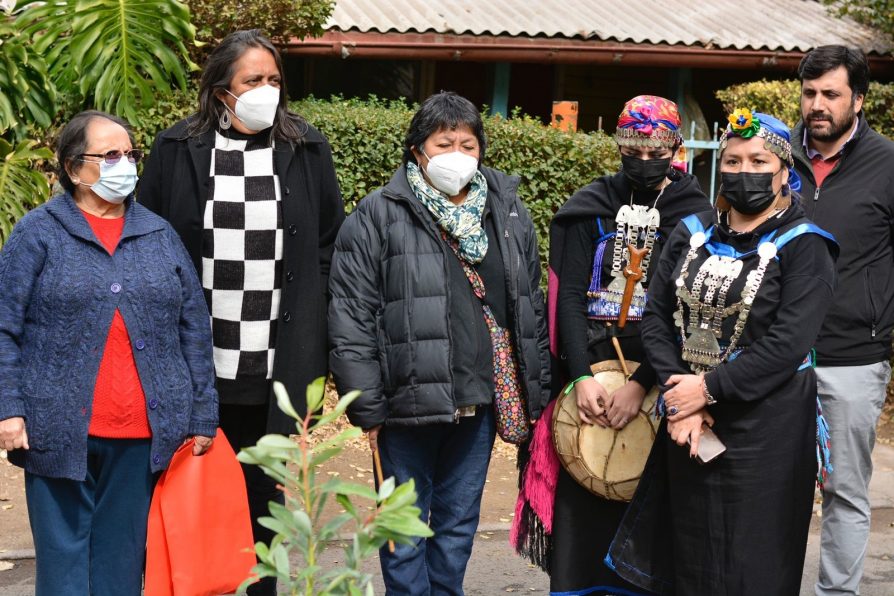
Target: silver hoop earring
224, 121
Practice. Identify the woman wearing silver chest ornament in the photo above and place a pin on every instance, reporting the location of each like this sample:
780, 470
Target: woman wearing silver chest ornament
559, 524
734, 309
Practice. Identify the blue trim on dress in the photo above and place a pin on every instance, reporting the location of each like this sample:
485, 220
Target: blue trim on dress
694, 225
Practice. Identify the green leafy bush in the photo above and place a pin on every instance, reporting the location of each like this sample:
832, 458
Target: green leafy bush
367, 144
164, 113
116, 55
279, 19
552, 164
782, 99
366, 139
299, 524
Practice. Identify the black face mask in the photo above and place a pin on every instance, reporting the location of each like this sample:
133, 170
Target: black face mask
644, 174
746, 192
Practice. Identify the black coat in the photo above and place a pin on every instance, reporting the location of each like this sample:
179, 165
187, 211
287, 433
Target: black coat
737, 525
175, 185
389, 327
856, 205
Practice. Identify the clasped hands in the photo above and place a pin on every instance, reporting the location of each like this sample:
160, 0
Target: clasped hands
686, 407
596, 406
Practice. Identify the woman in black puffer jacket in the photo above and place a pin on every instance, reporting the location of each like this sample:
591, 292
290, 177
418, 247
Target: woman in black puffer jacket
408, 330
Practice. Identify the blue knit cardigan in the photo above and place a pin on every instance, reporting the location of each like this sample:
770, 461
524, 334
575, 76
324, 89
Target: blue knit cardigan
59, 289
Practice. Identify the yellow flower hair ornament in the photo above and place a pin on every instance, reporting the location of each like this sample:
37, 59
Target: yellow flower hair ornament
743, 123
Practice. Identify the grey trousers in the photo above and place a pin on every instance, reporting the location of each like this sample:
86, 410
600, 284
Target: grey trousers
852, 398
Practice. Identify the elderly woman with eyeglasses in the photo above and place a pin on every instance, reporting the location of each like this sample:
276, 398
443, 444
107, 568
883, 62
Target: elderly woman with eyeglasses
105, 362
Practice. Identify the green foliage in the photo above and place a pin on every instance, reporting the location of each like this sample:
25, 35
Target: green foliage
878, 14
116, 55
782, 99
279, 19
27, 102
163, 113
367, 143
777, 98
299, 525
878, 106
27, 95
552, 164
22, 187
367, 139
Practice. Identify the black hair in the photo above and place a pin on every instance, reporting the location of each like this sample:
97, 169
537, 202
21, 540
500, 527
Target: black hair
443, 111
72, 142
218, 74
821, 60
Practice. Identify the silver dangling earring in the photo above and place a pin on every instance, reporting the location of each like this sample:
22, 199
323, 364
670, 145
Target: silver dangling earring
224, 121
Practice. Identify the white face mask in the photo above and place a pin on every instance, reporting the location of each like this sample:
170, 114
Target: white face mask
116, 181
450, 172
257, 108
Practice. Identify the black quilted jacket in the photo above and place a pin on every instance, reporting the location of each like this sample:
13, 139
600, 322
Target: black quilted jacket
389, 331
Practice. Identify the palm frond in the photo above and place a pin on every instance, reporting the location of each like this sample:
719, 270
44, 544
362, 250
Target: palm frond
115, 54
22, 185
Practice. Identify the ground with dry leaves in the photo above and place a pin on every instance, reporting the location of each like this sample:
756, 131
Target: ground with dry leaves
354, 464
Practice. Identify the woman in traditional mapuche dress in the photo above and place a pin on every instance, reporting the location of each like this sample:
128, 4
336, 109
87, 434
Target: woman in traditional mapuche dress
640, 204
734, 308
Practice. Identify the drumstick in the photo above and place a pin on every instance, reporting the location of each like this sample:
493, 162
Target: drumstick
377, 464
617, 345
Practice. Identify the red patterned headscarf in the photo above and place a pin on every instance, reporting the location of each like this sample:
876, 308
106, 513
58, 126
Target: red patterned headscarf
649, 121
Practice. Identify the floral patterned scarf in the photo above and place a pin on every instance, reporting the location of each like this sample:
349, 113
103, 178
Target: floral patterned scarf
463, 222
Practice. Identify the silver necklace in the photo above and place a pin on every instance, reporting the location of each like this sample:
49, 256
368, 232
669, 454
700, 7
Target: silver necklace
634, 222
701, 347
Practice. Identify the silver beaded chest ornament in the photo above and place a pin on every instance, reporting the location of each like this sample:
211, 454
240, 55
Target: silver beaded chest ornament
637, 225
701, 330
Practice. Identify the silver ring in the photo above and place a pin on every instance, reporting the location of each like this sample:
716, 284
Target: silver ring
673, 410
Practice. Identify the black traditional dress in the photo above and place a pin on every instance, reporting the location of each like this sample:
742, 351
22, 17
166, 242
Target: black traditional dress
737, 525
583, 255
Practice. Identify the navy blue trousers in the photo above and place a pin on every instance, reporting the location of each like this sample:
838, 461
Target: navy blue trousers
90, 536
448, 463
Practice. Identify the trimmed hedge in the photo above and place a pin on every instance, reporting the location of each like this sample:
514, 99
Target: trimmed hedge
367, 145
782, 99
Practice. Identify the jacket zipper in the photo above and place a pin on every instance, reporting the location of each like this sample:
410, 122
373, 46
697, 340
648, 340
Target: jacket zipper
835, 169
871, 303
514, 264
427, 225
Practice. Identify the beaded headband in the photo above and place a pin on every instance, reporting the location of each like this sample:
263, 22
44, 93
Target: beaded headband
743, 123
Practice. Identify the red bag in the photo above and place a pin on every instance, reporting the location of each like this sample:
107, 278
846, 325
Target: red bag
199, 540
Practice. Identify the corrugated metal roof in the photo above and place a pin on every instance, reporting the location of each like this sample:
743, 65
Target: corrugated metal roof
787, 25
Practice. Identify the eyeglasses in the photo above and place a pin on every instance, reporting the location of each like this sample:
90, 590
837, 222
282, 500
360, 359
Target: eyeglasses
114, 156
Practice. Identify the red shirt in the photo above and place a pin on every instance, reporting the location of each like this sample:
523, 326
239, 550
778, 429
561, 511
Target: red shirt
119, 404
822, 167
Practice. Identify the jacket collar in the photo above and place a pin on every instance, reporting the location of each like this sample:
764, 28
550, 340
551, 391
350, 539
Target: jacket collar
138, 220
